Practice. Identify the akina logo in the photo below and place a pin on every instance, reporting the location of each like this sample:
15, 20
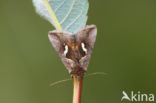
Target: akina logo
137, 97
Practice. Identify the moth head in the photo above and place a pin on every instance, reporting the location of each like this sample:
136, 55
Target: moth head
74, 49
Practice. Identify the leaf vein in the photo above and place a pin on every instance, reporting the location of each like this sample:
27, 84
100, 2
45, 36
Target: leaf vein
68, 12
59, 6
75, 19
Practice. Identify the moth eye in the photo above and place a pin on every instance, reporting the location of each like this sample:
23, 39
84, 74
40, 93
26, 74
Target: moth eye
66, 50
83, 47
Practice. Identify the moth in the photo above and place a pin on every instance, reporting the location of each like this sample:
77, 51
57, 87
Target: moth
74, 49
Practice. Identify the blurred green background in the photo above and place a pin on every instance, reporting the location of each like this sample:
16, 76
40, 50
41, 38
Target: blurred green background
125, 49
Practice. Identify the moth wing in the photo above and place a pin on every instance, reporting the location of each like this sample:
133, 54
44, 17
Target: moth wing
58, 38
88, 36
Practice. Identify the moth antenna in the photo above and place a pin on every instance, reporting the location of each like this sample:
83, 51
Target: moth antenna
60, 81
69, 79
96, 73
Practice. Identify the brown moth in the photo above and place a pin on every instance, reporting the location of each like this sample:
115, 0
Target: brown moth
74, 49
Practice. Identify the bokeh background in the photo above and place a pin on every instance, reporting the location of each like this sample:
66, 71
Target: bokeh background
125, 49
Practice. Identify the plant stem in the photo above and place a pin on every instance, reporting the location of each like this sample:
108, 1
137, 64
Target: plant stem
77, 89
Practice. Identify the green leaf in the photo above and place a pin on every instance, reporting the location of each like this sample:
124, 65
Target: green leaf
71, 14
